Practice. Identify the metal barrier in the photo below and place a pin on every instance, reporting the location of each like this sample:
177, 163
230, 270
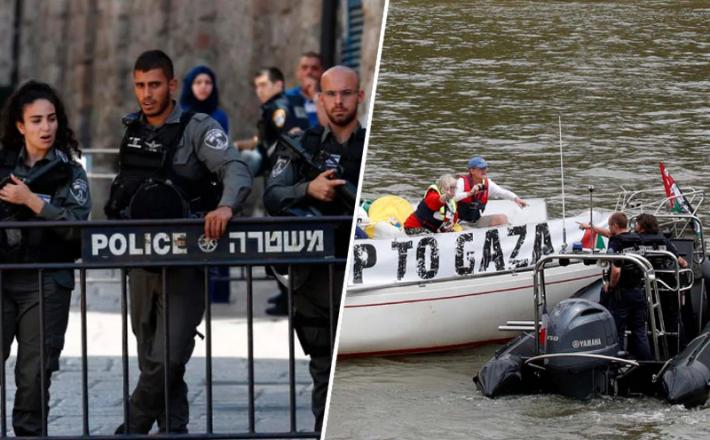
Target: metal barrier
181, 243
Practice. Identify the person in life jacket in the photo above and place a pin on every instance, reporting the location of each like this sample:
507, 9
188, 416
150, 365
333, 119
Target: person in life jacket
41, 181
473, 191
624, 294
437, 211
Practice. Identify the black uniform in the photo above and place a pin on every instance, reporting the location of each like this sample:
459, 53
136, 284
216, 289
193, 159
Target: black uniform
669, 301
628, 304
285, 193
183, 168
63, 185
278, 116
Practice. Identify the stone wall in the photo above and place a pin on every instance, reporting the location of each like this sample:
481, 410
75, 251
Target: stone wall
86, 49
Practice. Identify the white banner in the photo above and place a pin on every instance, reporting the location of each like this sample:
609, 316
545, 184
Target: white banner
430, 257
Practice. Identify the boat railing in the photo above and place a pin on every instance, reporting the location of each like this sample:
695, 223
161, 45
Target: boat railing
654, 200
532, 360
650, 286
686, 226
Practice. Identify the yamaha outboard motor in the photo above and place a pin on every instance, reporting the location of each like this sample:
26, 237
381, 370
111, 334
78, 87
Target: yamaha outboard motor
577, 327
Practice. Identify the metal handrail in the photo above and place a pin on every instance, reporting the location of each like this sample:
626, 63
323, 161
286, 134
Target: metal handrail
539, 282
584, 355
266, 224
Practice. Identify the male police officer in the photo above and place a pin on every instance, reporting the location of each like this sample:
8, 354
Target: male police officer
626, 298
291, 184
278, 114
170, 155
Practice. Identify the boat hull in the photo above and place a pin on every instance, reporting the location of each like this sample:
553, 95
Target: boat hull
448, 314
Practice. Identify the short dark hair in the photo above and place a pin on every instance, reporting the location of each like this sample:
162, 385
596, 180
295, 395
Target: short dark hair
273, 73
155, 59
312, 54
13, 112
619, 219
648, 223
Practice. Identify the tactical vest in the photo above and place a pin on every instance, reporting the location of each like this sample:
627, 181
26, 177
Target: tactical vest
269, 131
41, 245
656, 242
350, 158
434, 220
147, 186
631, 273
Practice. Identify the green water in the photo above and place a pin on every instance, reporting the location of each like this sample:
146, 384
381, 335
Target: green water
631, 82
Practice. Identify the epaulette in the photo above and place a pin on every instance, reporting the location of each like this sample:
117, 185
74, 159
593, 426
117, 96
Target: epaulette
200, 116
61, 155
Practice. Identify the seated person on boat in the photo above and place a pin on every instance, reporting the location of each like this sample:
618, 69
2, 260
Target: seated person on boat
437, 211
473, 190
624, 295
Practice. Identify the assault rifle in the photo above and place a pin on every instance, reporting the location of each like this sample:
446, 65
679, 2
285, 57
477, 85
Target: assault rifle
346, 194
10, 211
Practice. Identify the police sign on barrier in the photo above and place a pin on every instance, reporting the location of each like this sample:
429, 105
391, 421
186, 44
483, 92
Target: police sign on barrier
175, 243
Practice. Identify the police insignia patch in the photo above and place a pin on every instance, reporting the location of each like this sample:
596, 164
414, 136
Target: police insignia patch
279, 117
216, 139
80, 191
332, 161
280, 166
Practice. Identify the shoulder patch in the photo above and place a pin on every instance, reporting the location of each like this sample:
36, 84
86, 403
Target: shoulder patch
80, 191
279, 117
280, 166
216, 139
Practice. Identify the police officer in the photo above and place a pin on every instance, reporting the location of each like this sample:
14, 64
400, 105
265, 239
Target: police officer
168, 164
40, 181
292, 184
651, 238
625, 294
278, 113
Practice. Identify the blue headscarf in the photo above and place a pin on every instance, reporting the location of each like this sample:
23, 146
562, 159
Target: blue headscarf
188, 101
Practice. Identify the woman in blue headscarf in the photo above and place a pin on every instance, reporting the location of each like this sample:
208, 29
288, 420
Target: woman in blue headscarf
200, 94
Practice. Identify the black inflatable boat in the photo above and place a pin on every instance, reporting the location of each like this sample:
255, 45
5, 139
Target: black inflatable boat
573, 350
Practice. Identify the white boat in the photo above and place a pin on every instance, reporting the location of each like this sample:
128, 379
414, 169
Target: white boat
447, 314
448, 291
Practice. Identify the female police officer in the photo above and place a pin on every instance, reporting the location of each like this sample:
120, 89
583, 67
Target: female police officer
42, 182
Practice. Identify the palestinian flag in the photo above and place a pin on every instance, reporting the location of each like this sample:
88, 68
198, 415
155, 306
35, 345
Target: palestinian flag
676, 200
592, 240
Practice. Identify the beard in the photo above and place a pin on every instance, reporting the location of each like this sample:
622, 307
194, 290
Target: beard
158, 108
344, 119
